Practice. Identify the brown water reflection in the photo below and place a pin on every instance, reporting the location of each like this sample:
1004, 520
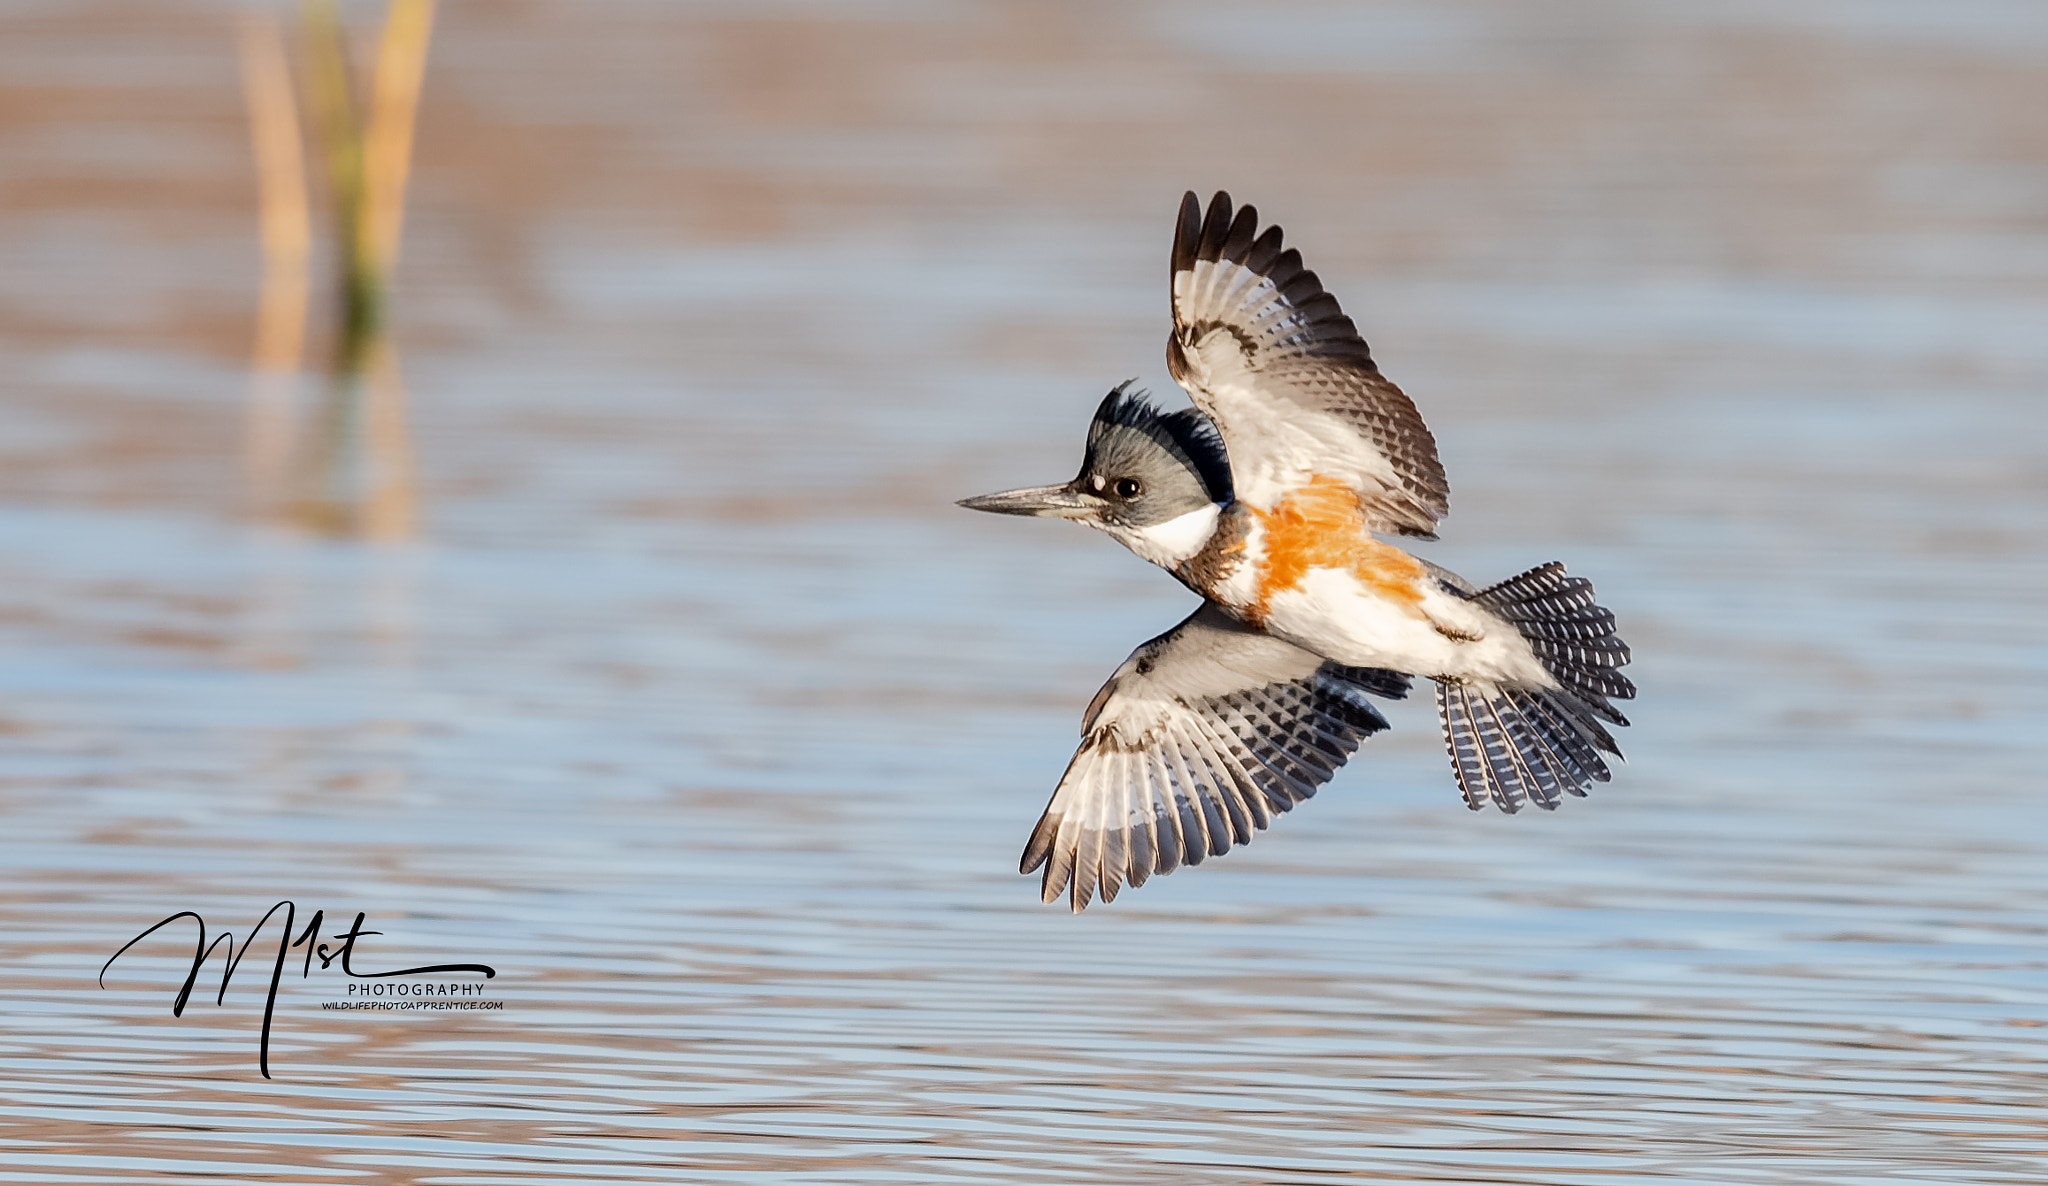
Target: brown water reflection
702, 715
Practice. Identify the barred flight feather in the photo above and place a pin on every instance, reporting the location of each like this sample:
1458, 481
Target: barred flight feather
1176, 768
1459, 739
1509, 746
1541, 771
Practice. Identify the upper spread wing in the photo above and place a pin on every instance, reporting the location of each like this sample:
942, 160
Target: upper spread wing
1198, 739
1275, 362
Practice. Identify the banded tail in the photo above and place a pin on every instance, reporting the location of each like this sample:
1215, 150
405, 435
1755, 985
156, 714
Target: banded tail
1517, 745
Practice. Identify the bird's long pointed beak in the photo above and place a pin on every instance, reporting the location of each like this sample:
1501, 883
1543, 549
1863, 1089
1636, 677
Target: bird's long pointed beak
1063, 502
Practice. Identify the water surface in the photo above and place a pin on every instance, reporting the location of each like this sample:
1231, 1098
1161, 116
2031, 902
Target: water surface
701, 714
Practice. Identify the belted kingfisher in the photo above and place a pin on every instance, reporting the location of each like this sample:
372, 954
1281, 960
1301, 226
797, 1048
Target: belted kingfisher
1264, 499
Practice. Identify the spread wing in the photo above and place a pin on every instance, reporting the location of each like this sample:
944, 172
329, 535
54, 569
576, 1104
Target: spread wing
1203, 735
1275, 362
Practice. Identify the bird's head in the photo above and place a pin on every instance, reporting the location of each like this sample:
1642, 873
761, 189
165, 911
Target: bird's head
1155, 481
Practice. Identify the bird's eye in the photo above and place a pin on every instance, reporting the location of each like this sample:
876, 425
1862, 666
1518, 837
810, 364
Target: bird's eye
1129, 488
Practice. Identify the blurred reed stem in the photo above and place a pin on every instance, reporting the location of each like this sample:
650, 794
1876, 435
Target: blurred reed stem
287, 242
356, 470
388, 510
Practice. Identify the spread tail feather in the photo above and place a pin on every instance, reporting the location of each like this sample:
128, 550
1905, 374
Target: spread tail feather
1534, 745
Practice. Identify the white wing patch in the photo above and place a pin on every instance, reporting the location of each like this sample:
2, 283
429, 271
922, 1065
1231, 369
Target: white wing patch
1280, 453
1274, 361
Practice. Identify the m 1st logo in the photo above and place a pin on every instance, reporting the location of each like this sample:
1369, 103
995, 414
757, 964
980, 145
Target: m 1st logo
307, 938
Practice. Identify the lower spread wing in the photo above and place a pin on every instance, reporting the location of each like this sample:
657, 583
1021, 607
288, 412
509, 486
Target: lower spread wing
1202, 736
1274, 361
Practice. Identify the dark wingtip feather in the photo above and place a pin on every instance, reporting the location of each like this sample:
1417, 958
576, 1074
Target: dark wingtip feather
1039, 848
1215, 225
1187, 232
1264, 251
1238, 243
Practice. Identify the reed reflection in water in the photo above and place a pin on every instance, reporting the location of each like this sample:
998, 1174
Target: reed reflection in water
350, 470
701, 714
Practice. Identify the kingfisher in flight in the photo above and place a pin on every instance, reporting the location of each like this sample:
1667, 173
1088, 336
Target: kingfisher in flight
1265, 498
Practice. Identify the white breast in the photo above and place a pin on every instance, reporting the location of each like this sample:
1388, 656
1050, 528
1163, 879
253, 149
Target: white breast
1335, 616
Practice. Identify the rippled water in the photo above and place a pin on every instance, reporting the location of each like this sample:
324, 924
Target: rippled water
702, 716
